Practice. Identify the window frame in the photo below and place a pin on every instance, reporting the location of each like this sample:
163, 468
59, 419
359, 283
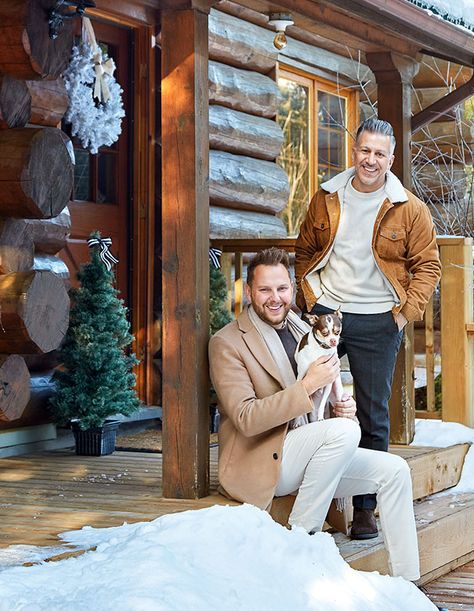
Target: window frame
314, 85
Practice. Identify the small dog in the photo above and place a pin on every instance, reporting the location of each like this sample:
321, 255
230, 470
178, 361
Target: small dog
322, 340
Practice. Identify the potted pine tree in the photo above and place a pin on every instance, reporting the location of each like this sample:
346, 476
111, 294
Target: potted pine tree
95, 380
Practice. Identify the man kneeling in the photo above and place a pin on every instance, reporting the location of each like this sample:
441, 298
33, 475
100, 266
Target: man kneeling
263, 454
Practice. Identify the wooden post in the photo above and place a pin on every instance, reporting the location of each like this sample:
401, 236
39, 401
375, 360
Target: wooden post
394, 75
457, 359
185, 216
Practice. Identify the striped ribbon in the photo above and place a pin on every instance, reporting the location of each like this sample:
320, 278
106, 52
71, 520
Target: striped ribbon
214, 257
106, 256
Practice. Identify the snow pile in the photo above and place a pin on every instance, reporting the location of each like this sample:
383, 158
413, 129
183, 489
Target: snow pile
438, 434
226, 558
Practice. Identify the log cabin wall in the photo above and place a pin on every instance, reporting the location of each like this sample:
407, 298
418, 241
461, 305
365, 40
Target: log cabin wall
247, 188
36, 178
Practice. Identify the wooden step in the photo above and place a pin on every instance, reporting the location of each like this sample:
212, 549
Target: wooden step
445, 538
432, 470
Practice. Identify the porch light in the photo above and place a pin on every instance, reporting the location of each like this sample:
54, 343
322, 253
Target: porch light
280, 21
56, 15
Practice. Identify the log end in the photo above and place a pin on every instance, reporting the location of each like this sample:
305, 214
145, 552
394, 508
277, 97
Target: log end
14, 387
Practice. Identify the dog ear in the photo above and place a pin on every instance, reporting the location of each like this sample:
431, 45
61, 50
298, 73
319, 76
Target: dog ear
312, 319
338, 313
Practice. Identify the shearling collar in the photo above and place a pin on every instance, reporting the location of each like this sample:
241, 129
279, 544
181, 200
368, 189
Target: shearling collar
394, 188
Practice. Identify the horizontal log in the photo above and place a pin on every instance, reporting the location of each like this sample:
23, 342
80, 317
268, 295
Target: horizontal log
15, 102
34, 312
242, 44
14, 387
50, 235
244, 134
242, 182
55, 265
49, 102
26, 50
243, 90
36, 172
228, 223
16, 246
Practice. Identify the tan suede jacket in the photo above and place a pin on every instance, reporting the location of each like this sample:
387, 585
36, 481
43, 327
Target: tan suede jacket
403, 244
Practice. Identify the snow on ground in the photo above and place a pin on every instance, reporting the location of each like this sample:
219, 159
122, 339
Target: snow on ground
223, 558
440, 434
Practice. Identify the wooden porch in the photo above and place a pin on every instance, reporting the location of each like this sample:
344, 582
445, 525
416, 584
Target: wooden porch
44, 494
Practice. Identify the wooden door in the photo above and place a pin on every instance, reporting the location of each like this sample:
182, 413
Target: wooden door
102, 182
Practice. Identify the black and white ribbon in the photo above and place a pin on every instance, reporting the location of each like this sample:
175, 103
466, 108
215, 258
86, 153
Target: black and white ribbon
106, 256
215, 257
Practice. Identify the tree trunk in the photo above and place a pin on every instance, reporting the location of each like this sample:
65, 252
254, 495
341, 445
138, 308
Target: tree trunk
36, 410
15, 102
50, 235
16, 246
14, 387
34, 312
36, 172
26, 50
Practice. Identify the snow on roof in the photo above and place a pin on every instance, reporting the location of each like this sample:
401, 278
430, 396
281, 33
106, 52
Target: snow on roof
459, 12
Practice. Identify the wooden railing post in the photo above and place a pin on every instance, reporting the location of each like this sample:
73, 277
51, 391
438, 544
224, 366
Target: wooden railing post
457, 358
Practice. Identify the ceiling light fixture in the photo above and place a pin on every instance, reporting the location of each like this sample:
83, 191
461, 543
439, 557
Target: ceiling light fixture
280, 21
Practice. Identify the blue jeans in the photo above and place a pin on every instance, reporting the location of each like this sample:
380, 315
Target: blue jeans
371, 342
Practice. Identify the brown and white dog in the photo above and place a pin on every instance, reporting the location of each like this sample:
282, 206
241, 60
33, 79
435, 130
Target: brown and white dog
322, 340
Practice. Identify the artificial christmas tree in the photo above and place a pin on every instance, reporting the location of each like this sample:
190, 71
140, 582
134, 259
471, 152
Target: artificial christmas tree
95, 380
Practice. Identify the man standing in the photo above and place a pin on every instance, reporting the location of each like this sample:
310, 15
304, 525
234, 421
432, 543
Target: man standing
262, 451
368, 246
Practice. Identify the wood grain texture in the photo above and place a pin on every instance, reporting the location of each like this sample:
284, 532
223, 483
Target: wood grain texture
242, 44
34, 312
244, 134
26, 50
14, 387
243, 90
50, 235
185, 220
238, 181
15, 102
229, 223
16, 246
36, 172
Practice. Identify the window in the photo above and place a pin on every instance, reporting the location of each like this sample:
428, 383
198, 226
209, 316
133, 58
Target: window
317, 118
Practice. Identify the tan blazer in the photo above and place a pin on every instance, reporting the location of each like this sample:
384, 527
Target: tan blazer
255, 411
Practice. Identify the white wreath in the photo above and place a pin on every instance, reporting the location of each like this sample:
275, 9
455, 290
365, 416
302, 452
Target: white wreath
94, 124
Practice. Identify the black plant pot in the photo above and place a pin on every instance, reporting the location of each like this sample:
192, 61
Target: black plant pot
97, 441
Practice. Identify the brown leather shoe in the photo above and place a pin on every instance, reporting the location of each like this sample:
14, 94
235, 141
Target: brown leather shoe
364, 524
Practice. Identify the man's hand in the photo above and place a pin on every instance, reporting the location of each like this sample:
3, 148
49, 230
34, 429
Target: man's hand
346, 408
321, 372
400, 320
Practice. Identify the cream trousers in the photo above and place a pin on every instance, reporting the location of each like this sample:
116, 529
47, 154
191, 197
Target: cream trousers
322, 461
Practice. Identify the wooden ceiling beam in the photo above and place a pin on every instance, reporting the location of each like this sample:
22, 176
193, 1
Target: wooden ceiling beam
442, 106
337, 26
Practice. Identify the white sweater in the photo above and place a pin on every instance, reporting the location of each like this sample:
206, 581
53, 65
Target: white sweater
351, 278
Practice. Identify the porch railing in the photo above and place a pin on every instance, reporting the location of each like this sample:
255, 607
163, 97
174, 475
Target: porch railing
450, 324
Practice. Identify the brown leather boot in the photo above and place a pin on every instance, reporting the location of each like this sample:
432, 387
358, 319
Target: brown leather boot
364, 524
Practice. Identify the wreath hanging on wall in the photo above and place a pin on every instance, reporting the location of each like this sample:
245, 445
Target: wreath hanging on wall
95, 98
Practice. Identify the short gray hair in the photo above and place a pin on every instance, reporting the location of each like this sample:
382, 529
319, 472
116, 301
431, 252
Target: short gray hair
378, 126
